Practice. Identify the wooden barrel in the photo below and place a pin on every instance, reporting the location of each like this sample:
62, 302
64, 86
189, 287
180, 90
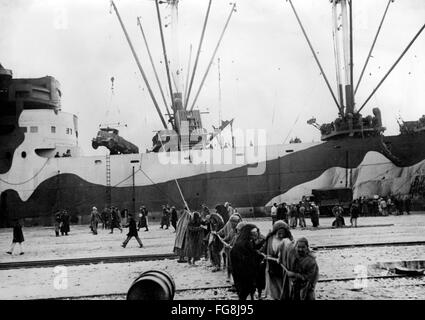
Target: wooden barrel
152, 285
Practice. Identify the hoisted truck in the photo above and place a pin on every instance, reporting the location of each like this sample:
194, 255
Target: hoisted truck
109, 138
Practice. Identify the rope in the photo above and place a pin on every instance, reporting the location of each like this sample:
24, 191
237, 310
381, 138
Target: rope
21, 183
154, 184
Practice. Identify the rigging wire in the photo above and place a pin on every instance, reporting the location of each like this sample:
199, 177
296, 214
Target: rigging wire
26, 181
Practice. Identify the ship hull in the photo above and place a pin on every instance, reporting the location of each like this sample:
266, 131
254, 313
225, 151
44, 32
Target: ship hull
370, 166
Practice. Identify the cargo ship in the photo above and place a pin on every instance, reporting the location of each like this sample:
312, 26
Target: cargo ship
43, 169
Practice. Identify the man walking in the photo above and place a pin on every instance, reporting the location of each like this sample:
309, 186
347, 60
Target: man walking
132, 231
18, 237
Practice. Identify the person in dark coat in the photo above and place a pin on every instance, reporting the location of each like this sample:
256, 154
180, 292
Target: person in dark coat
407, 204
143, 219
260, 280
174, 218
246, 261
115, 220
281, 212
339, 219
124, 213
65, 222
399, 206
364, 208
194, 236
105, 217
165, 219
132, 231
223, 212
315, 214
354, 213
273, 213
18, 237
58, 221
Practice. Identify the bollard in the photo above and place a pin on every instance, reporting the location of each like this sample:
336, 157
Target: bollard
152, 285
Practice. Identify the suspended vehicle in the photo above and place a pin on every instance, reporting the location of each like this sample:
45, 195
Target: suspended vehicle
109, 138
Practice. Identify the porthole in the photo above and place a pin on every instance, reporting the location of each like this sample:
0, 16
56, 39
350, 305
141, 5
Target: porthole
23, 154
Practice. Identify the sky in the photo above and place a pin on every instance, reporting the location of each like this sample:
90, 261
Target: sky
268, 77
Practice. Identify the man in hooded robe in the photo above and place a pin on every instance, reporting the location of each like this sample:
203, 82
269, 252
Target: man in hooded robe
215, 223
179, 243
227, 233
230, 227
246, 261
194, 235
280, 235
300, 271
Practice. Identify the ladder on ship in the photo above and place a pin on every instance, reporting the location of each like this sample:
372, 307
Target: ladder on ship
108, 181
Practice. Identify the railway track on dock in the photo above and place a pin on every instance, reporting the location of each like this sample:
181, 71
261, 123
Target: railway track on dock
202, 290
154, 257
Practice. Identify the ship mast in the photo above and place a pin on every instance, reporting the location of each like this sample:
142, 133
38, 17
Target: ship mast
350, 122
174, 56
139, 65
343, 47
